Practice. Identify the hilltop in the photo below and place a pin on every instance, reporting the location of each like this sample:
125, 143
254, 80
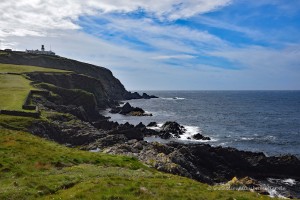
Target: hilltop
113, 88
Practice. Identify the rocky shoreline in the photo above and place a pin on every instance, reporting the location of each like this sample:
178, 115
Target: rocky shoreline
202, 162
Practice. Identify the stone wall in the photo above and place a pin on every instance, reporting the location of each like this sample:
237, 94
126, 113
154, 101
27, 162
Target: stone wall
21, 113
27, 106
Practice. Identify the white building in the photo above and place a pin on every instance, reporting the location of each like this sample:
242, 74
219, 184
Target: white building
42, 51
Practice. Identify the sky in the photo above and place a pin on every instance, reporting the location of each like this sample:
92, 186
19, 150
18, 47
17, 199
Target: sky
169, 44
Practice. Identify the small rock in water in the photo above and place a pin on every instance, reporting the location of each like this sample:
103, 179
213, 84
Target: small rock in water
198, 136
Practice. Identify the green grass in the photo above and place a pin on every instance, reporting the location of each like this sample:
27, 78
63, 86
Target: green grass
16, 122
5, 68
14, 88
34, 168
13, 91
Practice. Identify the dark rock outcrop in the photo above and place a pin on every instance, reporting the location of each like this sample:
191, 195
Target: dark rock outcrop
136, 95
146, 96
171, 129
127, 109
105, 124
68, 131
198, 136
140, 126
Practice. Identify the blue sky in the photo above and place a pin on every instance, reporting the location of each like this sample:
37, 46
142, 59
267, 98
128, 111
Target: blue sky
174, 44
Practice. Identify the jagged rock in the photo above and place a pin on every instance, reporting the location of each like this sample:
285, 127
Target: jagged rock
166, 135
140, 126
150, 132
171, 129
127, 108
129, 131
198, 136
133, 134
74, 132
125, 126
105, 124
152, 124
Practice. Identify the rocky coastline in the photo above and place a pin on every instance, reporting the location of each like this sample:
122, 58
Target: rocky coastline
202, 162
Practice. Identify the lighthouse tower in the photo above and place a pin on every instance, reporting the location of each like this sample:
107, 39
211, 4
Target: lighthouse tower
43, 48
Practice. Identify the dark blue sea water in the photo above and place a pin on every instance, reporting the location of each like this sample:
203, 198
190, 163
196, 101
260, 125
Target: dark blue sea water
267, 121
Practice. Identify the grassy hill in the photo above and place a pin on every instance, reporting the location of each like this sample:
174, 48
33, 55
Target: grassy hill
112, 86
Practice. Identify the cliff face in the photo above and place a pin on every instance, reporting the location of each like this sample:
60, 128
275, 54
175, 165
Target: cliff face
111, 85
76, 81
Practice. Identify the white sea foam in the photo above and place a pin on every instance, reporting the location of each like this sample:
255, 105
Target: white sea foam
173, 98
247, 138
157, 128
186, 137
289, 181
274, 193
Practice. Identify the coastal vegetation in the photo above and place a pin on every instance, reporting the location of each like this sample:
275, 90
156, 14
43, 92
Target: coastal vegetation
34, 168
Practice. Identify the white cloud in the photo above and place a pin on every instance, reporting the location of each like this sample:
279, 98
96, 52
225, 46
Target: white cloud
37, 17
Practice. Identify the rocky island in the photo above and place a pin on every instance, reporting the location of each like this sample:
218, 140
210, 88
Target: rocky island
67, 112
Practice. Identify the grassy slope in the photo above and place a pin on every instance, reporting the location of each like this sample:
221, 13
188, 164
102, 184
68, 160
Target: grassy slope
31, 167
4, 68
15, 88
13, 91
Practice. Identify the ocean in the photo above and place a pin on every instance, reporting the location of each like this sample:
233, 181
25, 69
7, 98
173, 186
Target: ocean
260, 121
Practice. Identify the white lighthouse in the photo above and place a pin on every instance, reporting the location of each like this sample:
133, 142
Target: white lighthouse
42, 51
